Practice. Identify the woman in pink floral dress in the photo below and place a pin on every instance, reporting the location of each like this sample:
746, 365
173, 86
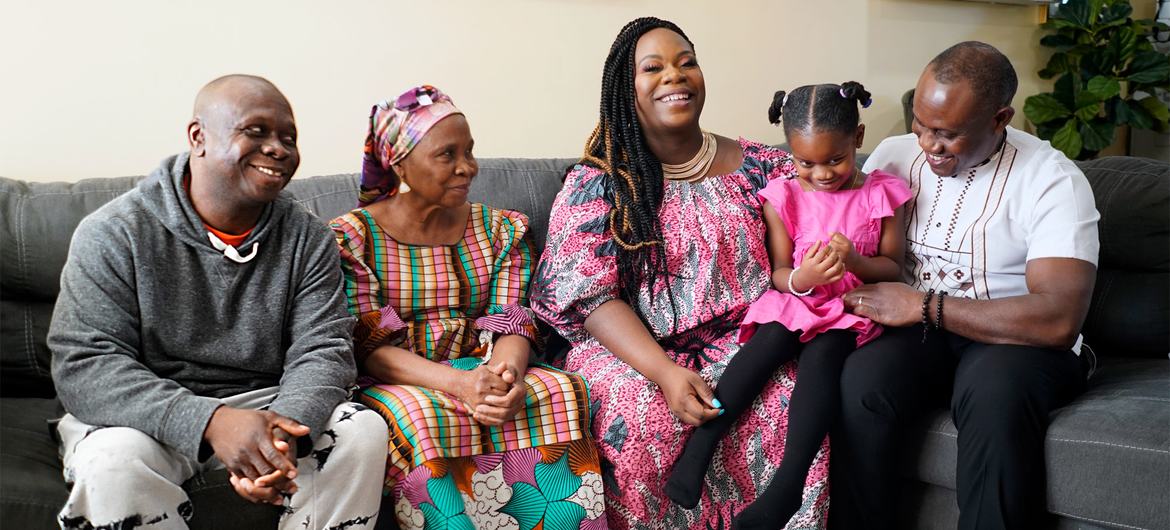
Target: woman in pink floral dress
655, 251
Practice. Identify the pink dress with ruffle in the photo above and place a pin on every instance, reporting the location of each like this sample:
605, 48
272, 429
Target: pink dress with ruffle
811, 216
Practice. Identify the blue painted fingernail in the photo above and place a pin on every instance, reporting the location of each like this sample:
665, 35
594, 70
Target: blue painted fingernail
715, 401
721, 411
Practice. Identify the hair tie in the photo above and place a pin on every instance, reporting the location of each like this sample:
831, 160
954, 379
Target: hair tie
842, 92
865, 104
784, 101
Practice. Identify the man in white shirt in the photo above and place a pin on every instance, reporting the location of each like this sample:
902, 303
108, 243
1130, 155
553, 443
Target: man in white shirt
1001, 259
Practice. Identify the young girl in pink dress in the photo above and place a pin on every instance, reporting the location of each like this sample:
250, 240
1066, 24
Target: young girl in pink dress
829, 230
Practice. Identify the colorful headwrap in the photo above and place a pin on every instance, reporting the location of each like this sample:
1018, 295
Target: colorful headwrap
395, 128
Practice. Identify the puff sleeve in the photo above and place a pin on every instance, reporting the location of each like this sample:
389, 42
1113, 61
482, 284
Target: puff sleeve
377, 323
578, 271
507, 312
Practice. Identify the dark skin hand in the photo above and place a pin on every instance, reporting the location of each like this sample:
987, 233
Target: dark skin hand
247, 444
270, 488
826, 263
618, 329
1059, 291
494, 392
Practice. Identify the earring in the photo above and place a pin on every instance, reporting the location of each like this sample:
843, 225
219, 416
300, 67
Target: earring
403, 187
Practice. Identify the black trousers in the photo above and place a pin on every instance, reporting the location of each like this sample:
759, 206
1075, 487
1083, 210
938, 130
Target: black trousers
1000, 399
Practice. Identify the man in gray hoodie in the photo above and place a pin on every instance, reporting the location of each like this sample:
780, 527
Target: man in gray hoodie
202, 324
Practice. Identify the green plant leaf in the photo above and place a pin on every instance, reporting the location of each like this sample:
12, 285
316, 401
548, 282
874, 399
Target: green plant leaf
1086, 98
1065, 91
1043, 108
1078, 12
1057, 64
1067, 139
1088, 105
1149, 67
1047, 130
1156, 108
1119, 11
1121, 47
1059, 23
1058, 41
1096, 135
1120, 111
1138, 116
1088, 112
1103, 87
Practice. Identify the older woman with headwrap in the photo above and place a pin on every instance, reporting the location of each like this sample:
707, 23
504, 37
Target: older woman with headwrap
479, 436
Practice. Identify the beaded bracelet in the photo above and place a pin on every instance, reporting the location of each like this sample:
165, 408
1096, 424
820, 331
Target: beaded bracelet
926, 314
938, 315
793, 290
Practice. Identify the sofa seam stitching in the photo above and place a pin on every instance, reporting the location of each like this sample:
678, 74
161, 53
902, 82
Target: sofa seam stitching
517, 170
533, 200
1091, 442
318, 196
29, 341
1090, 519
116, 193
1095, 442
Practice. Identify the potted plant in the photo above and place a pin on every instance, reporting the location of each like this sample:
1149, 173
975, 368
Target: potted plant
1106, 73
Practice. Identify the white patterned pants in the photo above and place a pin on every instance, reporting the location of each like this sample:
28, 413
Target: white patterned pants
123, 478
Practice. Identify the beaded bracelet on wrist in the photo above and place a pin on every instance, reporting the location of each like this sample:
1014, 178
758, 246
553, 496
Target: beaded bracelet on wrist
792, 289
938, 315
926, 313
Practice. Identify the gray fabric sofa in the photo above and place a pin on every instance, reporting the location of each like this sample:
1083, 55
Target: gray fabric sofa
1108, 457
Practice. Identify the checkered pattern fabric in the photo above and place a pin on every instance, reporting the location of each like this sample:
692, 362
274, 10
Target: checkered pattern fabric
434, 300
427, 424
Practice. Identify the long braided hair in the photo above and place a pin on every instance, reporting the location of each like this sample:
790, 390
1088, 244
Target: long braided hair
633, 174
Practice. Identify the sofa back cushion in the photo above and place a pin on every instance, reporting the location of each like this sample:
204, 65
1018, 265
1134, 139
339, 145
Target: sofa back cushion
527, 185
1130, 312
1129, 316
37, 221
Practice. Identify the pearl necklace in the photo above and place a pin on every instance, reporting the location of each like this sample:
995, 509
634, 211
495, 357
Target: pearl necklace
694, 169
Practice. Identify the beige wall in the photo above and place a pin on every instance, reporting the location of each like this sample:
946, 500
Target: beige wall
96, 89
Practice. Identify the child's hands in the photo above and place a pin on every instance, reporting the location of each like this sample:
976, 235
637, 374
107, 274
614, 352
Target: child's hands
844, 248
821, 265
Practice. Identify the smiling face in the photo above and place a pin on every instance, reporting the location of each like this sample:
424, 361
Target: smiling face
245, 140
440, 168
668, 83
955, 128
825, 159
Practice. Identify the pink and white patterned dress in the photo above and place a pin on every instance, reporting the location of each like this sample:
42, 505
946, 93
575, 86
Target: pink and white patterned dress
716, 252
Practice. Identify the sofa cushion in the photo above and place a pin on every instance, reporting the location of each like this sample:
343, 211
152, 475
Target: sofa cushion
32, 489
527, 185
1130, 311
1107, 453
36, 223
326, 196
24, 356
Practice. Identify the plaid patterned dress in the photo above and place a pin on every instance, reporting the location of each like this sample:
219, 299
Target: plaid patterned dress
446, 303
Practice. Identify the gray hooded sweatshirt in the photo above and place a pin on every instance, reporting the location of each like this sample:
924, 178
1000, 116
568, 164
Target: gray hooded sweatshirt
153, 323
